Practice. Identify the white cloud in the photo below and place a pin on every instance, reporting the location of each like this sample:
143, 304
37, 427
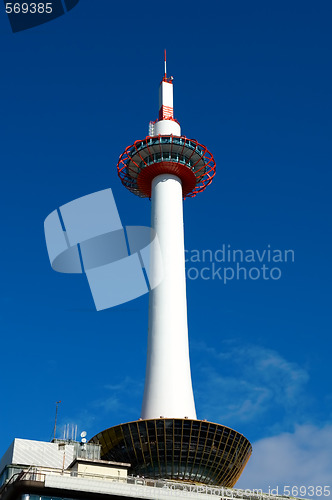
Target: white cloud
243, 383
121, 398
302, 458
121, 402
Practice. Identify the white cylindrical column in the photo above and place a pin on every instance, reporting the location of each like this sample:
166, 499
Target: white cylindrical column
167, 127
168, 387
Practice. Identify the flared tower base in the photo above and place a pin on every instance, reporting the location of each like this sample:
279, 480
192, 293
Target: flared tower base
178, 449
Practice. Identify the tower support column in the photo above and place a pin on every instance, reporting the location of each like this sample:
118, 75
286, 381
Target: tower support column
168, 387
167, 167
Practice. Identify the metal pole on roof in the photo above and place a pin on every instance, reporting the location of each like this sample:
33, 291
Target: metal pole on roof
56, 417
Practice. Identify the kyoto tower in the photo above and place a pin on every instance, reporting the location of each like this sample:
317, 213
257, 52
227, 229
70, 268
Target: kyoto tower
168, 441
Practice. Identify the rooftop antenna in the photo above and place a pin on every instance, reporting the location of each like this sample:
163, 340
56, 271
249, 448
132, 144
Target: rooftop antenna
56, 417
83, 441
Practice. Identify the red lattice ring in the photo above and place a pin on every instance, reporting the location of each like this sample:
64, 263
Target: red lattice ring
186, 158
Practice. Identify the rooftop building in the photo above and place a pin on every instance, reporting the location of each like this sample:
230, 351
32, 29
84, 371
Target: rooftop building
68, 470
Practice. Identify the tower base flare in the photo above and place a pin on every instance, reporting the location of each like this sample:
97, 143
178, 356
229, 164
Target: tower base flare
178, 449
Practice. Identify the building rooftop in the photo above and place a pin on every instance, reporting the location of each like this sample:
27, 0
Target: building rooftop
62, 484
87, 478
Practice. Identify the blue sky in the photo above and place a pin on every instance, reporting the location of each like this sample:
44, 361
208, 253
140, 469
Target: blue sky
252, 81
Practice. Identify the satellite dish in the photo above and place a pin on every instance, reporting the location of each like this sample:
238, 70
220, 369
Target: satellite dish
83, 434
83, 440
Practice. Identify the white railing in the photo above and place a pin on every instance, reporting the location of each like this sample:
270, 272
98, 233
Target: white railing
172, 488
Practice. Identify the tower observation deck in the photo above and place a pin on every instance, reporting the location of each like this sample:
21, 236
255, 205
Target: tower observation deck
168, 441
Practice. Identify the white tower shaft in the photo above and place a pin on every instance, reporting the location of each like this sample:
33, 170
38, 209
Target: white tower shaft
168, 387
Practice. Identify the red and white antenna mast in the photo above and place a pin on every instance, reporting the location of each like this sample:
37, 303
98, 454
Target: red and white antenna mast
166, 106
165, 75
